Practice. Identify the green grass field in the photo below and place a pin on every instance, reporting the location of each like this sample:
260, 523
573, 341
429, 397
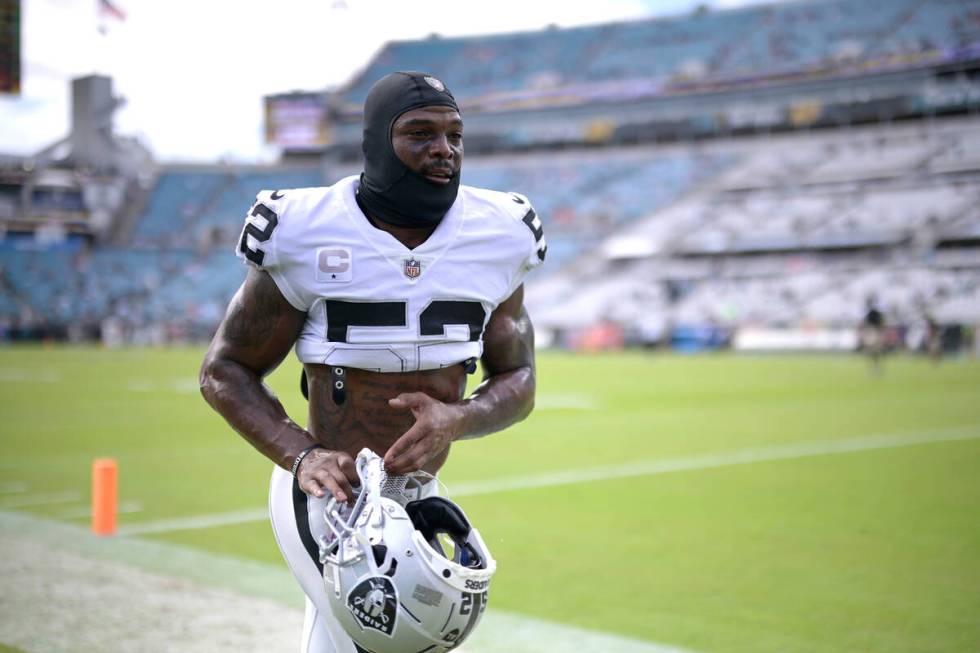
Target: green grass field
799, 547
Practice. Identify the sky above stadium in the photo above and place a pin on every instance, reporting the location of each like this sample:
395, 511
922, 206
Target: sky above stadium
193, 72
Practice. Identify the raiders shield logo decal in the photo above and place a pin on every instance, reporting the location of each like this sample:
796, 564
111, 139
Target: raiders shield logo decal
434, 83
413, 268
374, 603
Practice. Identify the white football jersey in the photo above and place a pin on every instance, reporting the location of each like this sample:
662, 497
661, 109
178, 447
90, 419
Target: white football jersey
371, 302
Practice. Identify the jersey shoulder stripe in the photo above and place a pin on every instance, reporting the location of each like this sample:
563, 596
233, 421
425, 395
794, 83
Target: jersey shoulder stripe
533, 223
518, 208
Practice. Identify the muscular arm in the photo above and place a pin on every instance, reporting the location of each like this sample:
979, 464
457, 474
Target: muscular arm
258, 330
505, 396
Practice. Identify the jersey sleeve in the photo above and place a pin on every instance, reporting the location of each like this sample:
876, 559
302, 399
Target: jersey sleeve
257, 243
537, 245
262, 245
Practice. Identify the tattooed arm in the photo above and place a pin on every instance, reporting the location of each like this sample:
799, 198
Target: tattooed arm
258, 330
505, 397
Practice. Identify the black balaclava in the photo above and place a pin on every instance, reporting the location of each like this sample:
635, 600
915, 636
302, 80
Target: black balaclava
388, 189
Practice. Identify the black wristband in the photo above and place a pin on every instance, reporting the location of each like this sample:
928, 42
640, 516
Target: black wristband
302, 455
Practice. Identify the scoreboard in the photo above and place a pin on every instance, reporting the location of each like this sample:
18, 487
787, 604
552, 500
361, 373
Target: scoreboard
297, 121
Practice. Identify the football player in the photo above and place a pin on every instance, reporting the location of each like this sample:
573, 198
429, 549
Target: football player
392, 286
872, 335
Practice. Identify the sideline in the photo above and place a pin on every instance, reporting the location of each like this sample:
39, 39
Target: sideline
131, 560
54, 600
714, 460
612, 472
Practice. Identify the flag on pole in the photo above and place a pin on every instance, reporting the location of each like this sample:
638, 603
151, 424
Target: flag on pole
108, 12
107, 9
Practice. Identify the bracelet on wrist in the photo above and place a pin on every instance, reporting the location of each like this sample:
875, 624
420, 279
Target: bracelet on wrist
302, 454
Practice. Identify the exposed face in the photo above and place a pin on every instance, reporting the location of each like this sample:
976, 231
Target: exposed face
429, 140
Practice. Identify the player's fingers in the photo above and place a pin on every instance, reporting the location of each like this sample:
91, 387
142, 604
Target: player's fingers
396, 462
413, 459
402, 444
347, 467
404, 465
311, 486
335, 482
343, 484
408, 400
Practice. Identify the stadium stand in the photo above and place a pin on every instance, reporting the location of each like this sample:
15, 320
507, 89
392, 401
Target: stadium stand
187, 202
779, 241
768, 167
650, 55
585, 193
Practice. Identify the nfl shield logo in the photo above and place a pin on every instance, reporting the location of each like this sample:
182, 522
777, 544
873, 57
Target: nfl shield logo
413, 268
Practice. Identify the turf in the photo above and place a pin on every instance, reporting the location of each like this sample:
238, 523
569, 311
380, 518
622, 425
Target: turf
4, 648
873, 551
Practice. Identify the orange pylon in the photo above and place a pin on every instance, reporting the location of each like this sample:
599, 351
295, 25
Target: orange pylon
104, 479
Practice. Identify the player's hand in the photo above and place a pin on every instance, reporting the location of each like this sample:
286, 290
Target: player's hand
325, 471
436, 426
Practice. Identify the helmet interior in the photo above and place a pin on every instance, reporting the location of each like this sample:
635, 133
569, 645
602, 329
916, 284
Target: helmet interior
437, 516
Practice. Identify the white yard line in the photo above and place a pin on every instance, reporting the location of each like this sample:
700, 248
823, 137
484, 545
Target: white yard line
503, 632
179, 385
14, 487
125, 508
64, 589
231, 448
202, 521
612, 472
565, 402
14, 375
713, 460
40, 499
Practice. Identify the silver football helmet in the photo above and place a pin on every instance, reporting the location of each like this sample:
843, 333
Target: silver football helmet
403, 574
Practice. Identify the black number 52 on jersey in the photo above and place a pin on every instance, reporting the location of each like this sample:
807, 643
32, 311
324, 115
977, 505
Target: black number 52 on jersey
433, 320
256, 256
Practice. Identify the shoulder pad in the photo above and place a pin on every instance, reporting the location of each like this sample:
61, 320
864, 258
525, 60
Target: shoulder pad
256, 246
525, 212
